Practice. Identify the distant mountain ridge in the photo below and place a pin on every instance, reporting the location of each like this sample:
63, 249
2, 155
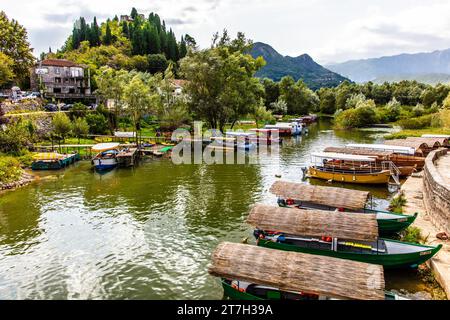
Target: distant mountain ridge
401, 67
301, 67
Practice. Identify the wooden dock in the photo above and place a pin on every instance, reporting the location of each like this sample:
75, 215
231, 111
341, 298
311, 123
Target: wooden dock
128, 157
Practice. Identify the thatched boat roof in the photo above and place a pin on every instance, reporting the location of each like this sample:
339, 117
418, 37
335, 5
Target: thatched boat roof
359, 151
417, 145
293, 271
315, 223
327, 196
434, 142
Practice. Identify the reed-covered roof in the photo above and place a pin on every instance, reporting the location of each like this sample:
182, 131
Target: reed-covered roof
434, 142
417, 145
359, 151
293, 271
315, 223
327, 196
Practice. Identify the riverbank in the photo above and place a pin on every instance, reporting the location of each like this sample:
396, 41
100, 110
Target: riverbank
402, 134
439, 264
24, 180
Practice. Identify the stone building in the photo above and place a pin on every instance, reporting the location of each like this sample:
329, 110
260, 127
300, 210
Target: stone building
61, 79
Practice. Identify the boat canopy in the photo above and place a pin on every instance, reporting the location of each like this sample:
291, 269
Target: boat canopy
342, 156
384, 147
326, 196
105, 146
48, 156
123, 134
431, 142
315, 223
240, 134
418, 146
436, 136
359, 151
298, 272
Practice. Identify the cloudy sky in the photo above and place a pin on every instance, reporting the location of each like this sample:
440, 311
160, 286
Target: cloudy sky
328, 30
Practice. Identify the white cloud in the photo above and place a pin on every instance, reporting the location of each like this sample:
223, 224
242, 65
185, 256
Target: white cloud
326, 29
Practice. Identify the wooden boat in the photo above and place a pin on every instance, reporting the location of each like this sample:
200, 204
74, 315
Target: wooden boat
255, 273
304, 196
407, 164
351, 236
106, 158
235, 140
53, 161
241, 290
268, 136
286, 128
363, 169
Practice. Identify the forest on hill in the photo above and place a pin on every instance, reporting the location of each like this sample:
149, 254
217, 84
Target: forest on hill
131, 42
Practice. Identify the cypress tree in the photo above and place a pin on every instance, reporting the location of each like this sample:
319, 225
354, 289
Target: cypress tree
182, 48
134, 13
154, 41
125, 30
107, 39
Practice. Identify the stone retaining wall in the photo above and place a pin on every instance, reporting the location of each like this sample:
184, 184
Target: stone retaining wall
436, 195
23, 181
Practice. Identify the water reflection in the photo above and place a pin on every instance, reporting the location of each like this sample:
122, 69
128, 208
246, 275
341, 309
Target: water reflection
141, 233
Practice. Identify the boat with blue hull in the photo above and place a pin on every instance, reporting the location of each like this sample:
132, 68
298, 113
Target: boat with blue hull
106, 158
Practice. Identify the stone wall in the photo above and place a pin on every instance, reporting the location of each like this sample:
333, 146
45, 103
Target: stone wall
436, 193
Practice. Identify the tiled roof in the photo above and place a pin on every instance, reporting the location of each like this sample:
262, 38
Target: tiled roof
59, 63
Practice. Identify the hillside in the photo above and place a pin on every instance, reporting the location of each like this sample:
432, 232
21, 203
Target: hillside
428, 78
301, 67
400, 67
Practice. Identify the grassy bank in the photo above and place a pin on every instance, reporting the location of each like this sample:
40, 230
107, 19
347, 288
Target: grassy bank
416, 133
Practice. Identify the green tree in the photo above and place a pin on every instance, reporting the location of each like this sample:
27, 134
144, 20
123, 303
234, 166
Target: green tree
172, 110
80, 128
446, 102
279, 107
157, 63
221, 83
327, 99
6, 69
14, 44
260, 114
298, 97
61, 125
272, 91
141, 97
107, 39
98, 124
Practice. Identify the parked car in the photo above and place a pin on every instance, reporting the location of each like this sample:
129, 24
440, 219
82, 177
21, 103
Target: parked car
51, 107
66, 107
92, 106
33, 95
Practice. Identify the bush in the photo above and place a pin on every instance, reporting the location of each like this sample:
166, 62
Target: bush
10, 169
412, 234
79, 110
98, 124
61, 125
416, 123
14, 138
364, 114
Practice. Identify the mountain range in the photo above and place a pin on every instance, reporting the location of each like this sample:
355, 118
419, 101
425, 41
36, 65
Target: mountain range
431, 67
302, 67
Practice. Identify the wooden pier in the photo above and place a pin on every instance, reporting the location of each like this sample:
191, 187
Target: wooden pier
128, 157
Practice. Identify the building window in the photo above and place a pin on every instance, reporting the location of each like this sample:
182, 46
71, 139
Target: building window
57, 70
57, 80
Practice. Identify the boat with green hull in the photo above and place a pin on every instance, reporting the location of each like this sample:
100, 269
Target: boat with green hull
351, 236
53, 161
239, 290
385, 252
303, 196
250, 272
388, 222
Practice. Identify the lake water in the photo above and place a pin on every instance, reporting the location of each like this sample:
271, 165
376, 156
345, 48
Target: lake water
146, 232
